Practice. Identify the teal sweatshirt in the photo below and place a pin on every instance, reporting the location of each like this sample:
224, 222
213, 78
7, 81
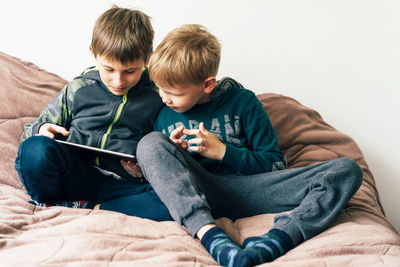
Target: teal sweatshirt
238, 119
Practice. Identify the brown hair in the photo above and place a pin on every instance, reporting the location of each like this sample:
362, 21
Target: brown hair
187, 55
123, 34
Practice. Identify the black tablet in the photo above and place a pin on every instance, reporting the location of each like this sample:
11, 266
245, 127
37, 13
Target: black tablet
100, 152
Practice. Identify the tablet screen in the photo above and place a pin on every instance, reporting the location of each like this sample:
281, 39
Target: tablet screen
100, 152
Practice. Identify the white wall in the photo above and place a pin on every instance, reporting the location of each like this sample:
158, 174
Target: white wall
339, 57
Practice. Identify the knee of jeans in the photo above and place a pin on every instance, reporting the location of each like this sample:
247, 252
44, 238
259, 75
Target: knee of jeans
33, 153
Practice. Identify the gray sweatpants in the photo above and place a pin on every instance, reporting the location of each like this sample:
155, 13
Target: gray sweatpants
315, 194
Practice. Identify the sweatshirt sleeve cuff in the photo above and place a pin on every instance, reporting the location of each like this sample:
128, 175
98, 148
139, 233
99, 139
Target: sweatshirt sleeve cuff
232, 157
36, 127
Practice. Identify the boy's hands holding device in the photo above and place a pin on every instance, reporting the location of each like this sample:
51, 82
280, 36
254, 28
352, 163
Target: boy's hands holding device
51, 130
132, 168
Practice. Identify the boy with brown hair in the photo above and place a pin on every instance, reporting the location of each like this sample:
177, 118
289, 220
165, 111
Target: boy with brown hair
111, 106
222, 158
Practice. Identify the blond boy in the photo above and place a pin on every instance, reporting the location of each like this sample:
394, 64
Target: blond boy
222, 158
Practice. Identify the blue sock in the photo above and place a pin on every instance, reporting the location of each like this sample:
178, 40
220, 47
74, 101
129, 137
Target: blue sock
268, 247
223, 249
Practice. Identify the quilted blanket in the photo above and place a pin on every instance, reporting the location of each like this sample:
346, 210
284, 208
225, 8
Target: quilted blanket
59, 236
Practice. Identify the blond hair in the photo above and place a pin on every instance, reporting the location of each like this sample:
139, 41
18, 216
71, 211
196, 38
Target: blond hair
123, 34
187, 55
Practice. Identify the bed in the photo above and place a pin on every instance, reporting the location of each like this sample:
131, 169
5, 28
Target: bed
59, 236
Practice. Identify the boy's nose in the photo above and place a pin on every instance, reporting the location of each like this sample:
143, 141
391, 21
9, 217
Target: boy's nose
118, 79
166, 99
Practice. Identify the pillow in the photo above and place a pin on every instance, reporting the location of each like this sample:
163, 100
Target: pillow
24, 91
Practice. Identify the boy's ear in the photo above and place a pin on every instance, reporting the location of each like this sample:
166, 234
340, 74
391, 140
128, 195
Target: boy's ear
209, 84
148, 59
91, 51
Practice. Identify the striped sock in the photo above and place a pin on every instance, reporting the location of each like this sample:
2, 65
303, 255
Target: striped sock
223, 249
268, 247
79, 204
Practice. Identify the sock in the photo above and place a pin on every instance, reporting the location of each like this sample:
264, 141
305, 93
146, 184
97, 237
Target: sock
268, 247
80, 204
223, 249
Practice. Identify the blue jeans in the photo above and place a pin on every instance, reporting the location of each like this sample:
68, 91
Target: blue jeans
195, 197
53, 172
